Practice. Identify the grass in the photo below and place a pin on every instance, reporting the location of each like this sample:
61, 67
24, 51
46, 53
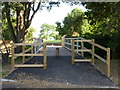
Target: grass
116, 60
53, 41
114, 66
0, 66
0, 74
6, 68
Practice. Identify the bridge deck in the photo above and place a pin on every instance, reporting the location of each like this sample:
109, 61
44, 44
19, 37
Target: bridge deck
60, 73
51, 51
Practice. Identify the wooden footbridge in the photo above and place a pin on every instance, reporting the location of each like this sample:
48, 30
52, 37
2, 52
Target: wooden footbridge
75, 45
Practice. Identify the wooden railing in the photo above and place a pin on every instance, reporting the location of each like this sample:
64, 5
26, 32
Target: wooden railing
76, 45
37, 48
24, 53
68, 44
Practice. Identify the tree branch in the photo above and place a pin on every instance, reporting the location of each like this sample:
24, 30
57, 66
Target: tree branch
7, 7
36, 10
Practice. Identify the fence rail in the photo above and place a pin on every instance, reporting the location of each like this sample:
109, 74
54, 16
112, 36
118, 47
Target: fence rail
76, 45
31, 53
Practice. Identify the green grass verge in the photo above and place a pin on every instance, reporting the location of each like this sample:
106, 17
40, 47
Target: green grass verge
0, 66
115, 60
6, 68
53, 41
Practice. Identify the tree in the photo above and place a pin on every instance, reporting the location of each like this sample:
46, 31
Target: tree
29, 35
59, 28
48, 31
72, 23
104, 17
21, 13
16, 19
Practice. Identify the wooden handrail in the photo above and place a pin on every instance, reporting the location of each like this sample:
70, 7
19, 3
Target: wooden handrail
99, 46
35, 44
92, 51
28, 54
23, 54
83, 40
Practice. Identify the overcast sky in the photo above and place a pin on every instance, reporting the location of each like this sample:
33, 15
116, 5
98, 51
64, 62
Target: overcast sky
56, 14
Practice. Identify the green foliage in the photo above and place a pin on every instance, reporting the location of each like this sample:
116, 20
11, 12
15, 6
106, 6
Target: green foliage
101, 22
72, 24
53, 41
6, 35
48, 31
104, 18
17, 18
31, 30
59, 28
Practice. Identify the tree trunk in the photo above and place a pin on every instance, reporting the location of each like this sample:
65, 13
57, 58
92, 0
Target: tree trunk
23, 20
5, 56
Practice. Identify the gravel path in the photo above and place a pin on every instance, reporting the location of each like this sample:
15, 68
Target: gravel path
59, 74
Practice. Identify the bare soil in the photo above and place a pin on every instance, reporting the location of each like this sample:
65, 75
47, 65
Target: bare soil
115, 70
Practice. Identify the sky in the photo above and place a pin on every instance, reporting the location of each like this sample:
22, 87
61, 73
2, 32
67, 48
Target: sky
51, 17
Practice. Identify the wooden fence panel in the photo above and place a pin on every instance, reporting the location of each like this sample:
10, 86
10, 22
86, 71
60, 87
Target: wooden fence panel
23, 54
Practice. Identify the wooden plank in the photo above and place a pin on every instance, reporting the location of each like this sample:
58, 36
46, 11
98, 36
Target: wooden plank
35, 44
13, 56
68, 43
29, 65
83, 40
88, 50
28, 49
82, 47
99, 46
73, 50
63, 41
102, 59
84, 50
23, 58
93, 50
82, 60
32, 50
45, 57
95, 44
108, 62
68, 48
28, 54
77, 45
74, 38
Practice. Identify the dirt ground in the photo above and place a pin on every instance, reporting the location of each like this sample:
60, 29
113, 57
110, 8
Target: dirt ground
115, 70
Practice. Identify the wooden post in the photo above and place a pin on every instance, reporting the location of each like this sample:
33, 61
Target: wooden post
108, 62
77, 46
71, 43
63, 41
23, 50
32, 51
45, 57
93, 50
13, 61
82, 46
73, 51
